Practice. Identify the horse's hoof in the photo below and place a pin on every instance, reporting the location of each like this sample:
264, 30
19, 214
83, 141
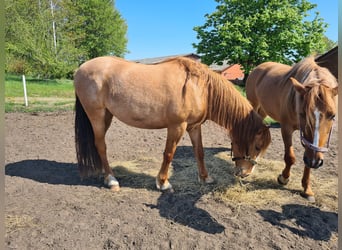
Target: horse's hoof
164, 187
309, 198
110, 181
207, 180
115, 188
282, 180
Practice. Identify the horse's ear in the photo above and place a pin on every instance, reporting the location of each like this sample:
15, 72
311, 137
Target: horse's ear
298, 86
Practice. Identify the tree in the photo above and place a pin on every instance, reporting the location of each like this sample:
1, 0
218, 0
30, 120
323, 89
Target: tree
250, 32
94, 27
50, 38
329, 44
28, 44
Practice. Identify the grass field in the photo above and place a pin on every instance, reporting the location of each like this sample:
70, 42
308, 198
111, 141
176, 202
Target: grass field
43, 95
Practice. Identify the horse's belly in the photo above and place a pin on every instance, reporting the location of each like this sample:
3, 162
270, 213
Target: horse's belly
141, 122
140, 115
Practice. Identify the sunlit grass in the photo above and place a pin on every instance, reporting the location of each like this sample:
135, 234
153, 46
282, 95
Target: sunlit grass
43, 95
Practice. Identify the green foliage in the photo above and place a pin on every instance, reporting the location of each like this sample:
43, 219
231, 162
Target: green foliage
250, 32
328, 45
50, 38
94, 27
62, 88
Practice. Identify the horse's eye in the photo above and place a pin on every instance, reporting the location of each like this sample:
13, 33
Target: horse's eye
331, 116
257, 148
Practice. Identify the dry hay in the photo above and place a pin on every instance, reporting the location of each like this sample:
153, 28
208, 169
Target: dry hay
259, 189
17, 222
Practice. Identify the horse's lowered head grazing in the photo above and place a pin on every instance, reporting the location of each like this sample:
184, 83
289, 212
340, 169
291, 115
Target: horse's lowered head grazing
246, 154
316, 110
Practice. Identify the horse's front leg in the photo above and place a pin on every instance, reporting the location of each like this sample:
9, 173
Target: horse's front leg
196, 140
289, 156
308, 194
174, 134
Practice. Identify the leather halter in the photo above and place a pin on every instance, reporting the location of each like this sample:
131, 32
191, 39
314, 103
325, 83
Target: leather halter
305, 142
246, 157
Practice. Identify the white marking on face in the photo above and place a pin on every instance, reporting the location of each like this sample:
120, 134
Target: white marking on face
316, 133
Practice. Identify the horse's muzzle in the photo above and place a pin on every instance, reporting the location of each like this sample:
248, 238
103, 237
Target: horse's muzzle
243, 172
312, 163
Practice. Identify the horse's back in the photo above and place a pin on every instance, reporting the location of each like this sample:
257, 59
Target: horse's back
266, 88
145, 96
95, 71
268, 73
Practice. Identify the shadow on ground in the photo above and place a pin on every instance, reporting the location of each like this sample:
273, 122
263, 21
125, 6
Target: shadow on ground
304, 221
179, 206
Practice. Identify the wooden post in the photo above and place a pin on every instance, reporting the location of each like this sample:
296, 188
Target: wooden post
25, 92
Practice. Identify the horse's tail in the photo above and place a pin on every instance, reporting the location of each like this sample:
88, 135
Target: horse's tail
89, 161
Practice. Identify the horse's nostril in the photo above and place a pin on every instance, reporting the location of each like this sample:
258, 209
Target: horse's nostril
320, 163
313, 163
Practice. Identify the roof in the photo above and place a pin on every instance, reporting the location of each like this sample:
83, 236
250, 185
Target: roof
220, 68
214, 67
329, 60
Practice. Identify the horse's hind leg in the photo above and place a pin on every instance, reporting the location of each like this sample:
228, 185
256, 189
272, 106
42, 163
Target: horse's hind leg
174, 134
100, 121
196, 140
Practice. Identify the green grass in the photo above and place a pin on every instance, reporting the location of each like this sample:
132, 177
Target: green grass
43, 95
241, 90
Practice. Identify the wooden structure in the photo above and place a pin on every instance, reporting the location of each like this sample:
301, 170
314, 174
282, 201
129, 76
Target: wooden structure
329, 60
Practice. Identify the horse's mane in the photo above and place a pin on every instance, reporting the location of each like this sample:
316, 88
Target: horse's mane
314, 77
226, 106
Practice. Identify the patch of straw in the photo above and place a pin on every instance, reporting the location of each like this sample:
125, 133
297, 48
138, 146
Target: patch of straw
258, 189
15, 222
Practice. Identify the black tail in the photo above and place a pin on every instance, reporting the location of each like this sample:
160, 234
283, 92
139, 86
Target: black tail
89, 162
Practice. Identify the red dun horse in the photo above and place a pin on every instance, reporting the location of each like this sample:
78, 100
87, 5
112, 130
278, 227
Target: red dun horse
178, 94
300, 97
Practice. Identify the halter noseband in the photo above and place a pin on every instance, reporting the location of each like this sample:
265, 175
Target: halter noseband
313, 147
246, 157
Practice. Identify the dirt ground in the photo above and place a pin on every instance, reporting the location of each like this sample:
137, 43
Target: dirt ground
48, 206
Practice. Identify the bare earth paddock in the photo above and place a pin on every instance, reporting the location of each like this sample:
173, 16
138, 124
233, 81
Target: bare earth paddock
48, 206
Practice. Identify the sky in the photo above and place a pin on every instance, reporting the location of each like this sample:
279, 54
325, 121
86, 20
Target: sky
162, 28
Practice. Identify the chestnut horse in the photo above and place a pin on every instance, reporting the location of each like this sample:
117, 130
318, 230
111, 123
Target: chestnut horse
300, 97
178, 94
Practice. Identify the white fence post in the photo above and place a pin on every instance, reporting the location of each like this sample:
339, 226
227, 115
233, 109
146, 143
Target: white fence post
25, 92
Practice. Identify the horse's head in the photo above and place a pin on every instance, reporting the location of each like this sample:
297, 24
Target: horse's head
316, 108
245, 156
